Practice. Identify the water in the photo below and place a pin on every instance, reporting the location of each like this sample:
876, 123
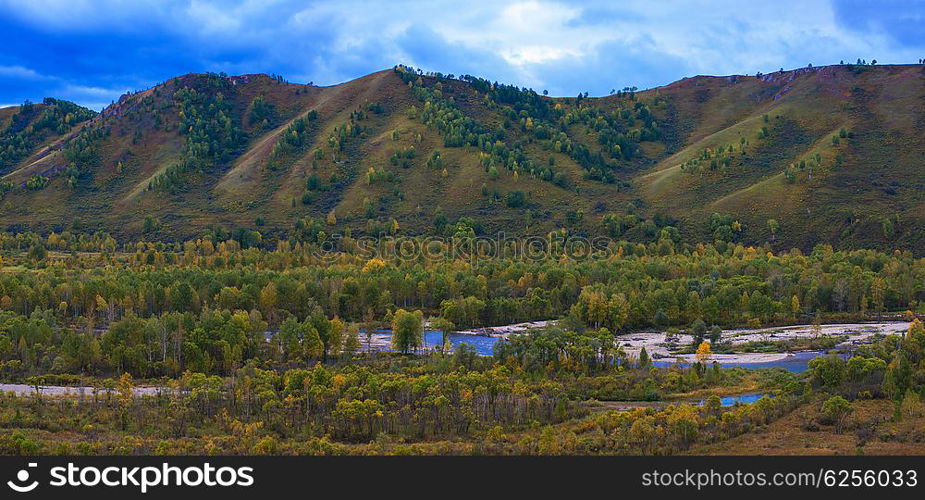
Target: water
797, 363
739, 399
484, 346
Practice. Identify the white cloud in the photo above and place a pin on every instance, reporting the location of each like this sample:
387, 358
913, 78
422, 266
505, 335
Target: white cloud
92, 91
92, 97
213, 19
20, 72
537, 39
536, 54
538, 43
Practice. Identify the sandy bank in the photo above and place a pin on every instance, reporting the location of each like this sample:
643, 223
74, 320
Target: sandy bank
661, 346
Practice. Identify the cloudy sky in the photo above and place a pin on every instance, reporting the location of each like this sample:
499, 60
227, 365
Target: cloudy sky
92, 51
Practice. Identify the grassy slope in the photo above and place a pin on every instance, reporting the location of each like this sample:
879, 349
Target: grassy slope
799, 434
880, 175
48, 145
844, 205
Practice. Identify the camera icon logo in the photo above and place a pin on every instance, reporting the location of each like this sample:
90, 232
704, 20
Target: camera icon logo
20, 484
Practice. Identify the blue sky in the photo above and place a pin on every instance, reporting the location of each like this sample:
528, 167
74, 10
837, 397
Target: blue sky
93, 51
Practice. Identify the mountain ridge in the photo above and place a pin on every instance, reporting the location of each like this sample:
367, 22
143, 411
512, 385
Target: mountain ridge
829, 154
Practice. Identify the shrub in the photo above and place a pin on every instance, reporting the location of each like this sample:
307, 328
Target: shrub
834, 412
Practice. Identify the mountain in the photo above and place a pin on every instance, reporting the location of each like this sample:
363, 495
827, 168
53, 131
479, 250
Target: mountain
830, 154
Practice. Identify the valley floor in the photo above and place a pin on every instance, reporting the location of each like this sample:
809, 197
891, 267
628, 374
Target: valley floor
869, 431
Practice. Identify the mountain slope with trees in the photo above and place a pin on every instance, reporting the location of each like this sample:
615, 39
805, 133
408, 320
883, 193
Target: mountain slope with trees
827, 154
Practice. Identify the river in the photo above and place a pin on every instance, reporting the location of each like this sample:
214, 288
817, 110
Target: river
381, 340
662, 347
657, 343
797, 362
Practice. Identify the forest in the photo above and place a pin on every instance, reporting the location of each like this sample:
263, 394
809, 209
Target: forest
265, 349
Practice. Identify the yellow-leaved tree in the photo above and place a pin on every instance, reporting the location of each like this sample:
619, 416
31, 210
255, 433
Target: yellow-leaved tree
703, 351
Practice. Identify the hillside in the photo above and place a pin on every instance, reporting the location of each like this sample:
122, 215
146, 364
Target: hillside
830, 154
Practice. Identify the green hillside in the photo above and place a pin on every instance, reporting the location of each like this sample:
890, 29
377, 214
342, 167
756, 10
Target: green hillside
794, 158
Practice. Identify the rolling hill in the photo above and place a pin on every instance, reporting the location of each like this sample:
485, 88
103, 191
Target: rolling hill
832, 154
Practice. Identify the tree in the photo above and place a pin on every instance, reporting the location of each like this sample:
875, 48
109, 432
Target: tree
182, 297
463, 312
877, 294
445, 326
834, 411
515, 199
352, 339
698, 330
816, 327
407, 330
335, 338
774, 228
660, 318
911, 405
715, 335
149, 225
703, 352
330, 332
644, 360
713, 404
828, 371
268, 299
888, 230
618, 309
591, 307
262, 112
37, 252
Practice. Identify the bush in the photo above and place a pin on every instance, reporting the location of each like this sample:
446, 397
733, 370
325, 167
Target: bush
515, 199
834, 412
827, 371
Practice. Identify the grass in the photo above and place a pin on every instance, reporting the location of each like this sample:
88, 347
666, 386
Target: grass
795, 434
844, 206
